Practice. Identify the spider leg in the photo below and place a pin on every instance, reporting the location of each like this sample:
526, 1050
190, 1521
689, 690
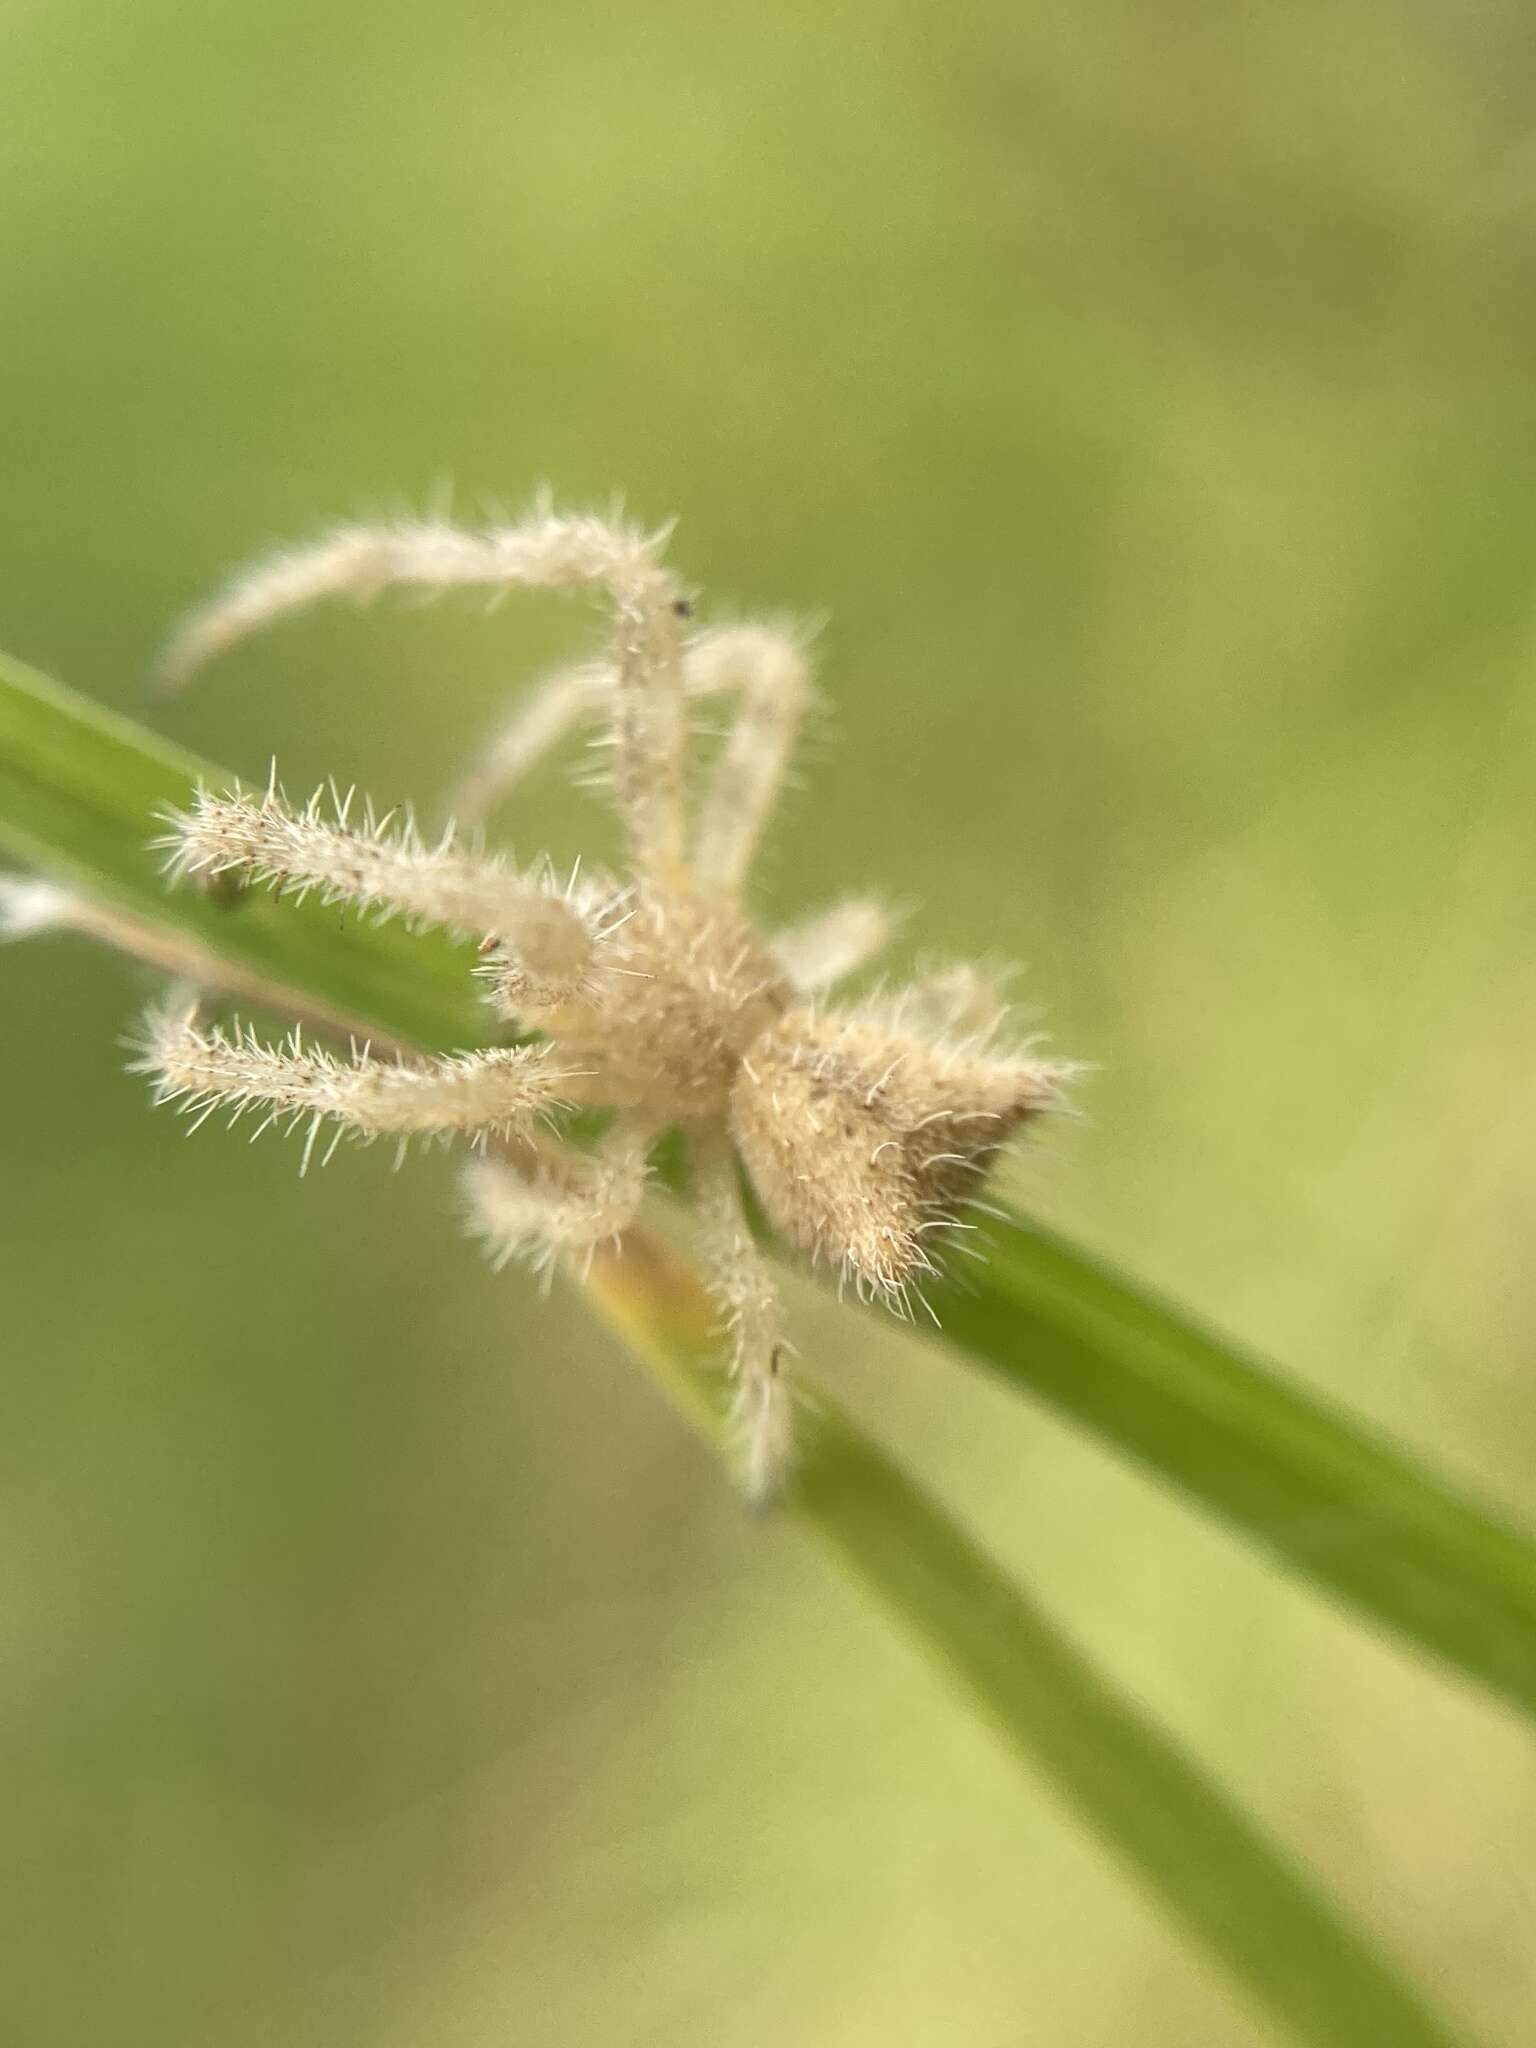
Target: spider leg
762, 1411
956, 1003
768, 670
833, 943
545, 941
553, 1202
541, 721
203, 1069
544, 552
715, 661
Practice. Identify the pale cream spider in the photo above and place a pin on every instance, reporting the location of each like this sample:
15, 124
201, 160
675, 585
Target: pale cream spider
864, 1130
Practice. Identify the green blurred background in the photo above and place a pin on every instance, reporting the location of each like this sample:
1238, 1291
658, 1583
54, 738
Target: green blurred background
1145, 399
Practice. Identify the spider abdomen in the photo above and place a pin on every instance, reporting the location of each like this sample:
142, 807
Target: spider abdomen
863, 1141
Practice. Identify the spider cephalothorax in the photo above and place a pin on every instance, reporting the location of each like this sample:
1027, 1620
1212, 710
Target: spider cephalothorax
864, 1130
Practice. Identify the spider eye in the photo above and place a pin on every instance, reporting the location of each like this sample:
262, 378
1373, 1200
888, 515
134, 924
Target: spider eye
682, 607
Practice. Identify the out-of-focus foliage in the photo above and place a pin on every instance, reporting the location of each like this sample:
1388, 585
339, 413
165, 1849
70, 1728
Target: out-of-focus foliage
1145, 402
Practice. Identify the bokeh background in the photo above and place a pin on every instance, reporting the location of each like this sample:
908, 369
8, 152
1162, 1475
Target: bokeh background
1145, 401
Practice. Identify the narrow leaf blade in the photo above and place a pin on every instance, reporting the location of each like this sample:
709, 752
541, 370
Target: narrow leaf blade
1321, 1493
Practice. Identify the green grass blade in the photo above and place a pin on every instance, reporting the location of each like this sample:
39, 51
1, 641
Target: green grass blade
78, 792
1315, 1489
1234, 1893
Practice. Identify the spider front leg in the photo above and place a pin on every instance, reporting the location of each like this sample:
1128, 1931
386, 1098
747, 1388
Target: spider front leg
824, 949
496, 1093
955, 1004
545, 940
768, 671
543, 552
645, 695
550, 710
548, 1201
766, 668
762, 1412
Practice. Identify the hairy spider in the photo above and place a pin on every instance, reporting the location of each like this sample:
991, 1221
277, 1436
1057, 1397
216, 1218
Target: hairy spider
864, 1130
